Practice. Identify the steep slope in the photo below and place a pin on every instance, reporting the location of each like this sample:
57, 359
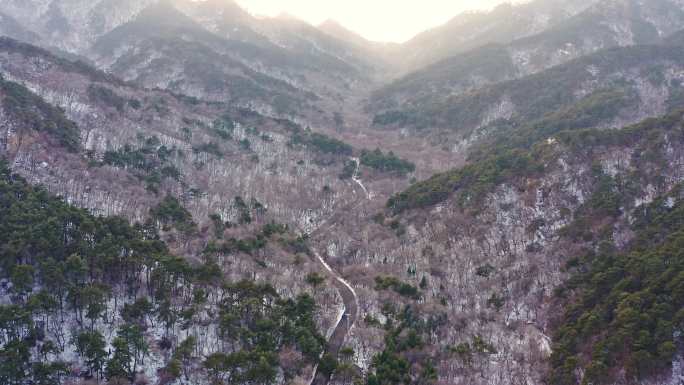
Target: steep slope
626, 306
197, 170
164, 48
608, 23
610, 88
72, 26
12, 28
224, 18
219, 151
489, 274
502, 25
95, 297
340, 32
303, 39
299, 39
208, 49
459, 273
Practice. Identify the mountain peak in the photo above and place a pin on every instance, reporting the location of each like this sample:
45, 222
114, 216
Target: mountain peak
335, 29
284, 16
221, 6
331, 23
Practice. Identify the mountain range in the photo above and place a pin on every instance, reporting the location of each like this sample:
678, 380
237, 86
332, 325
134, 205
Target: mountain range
191, 194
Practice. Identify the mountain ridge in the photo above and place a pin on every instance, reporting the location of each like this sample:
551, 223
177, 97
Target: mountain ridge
216, 208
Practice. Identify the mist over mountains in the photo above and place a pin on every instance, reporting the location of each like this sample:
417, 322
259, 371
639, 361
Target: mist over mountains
193, 195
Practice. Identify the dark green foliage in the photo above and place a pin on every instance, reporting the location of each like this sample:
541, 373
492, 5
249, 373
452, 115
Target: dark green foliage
224, 127
247, 212
464, 353
533, 96
402, 288
22, 279
371, 321
219, 225
272, 229
182, 357
482, 347
136, 312
496, 301
107, 97
423, 87
31, 112
315, 279
91, 345
74, 256
405, 334
15, 364
485, 271
600, 106
49, 373
328, 365
135, 104
398, 227
466, 350
46, 233
328, 145
628, 304
170, 212
349, 169
262, 322
423, 283
607, 198
320, 143
247, 246
471, 182
386, 162
81, 261
245, 144
150, 162
130, 349
211, 148
250, 245
31, 51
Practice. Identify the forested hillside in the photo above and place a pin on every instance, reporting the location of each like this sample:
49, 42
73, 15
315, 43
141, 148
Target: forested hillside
626, 307
610, 88
191, 194
98, 297
602, 25
515, 222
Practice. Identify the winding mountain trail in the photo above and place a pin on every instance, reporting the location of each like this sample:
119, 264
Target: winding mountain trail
349, 297
358, 180
344, 323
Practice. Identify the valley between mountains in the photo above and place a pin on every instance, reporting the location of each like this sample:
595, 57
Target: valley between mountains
193, 195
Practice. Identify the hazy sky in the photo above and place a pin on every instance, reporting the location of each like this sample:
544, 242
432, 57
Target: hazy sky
380, 20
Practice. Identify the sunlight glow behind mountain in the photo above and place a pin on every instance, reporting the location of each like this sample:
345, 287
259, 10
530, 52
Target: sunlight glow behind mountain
379, 20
